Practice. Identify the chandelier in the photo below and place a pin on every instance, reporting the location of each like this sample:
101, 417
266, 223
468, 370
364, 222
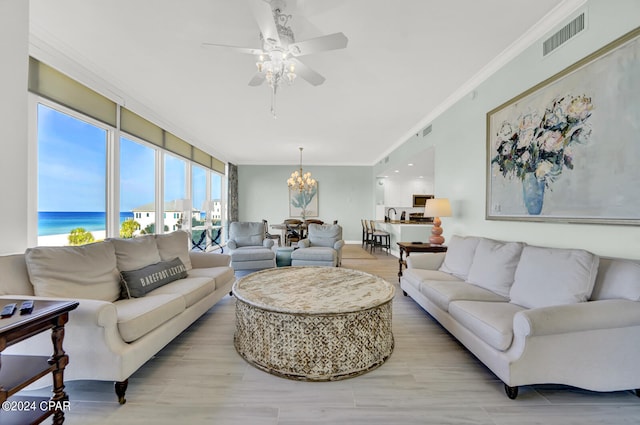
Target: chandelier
276, 64
299, 181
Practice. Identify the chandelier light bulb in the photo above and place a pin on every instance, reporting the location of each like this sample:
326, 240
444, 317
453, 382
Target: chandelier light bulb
300, 181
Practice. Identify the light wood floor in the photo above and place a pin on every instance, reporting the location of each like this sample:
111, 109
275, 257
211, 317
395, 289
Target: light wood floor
429, 379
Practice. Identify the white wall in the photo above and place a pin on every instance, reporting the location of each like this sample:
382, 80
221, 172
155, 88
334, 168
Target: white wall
459, 138
345, 194
14, 47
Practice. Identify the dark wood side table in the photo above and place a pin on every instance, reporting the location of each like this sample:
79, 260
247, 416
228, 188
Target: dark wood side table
16, 372
410, 247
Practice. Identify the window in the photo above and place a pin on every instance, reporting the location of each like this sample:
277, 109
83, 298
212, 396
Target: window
175, 170
72, 166
199, 197
137, 188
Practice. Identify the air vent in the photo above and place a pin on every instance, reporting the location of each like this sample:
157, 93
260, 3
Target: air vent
426, 131
562, 36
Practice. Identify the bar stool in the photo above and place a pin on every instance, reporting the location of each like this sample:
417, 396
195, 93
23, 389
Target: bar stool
379, 238
366, 233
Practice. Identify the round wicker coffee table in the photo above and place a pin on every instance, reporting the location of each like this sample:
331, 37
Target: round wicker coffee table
313, 323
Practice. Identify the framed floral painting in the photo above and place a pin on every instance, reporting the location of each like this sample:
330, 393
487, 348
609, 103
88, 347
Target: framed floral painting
568, 149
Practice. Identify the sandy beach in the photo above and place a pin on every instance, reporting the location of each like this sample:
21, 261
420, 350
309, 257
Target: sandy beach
63, 240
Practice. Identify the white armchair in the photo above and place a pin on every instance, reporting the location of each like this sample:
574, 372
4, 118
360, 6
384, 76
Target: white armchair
249, 247
322, 246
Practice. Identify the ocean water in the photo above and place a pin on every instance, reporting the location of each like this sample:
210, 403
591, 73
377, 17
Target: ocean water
62, 222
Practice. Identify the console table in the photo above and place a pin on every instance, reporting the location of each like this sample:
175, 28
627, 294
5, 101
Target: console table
16, 372
410, 247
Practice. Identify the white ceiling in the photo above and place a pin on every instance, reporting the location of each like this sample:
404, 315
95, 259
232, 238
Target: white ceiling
404, 59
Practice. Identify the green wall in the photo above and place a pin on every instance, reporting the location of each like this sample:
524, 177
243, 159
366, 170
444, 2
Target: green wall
345, 194
459, 138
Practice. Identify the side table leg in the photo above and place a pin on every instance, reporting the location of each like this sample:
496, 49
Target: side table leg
400, 264
60, 360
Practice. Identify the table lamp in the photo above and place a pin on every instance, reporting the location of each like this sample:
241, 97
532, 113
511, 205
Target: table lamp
437, 208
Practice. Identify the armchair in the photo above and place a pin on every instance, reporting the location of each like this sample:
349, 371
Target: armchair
249, 248
322, 247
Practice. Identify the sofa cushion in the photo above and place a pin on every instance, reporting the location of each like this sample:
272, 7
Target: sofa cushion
315, 253
416, 276
491, 322
553, 276
135, 253
221, 275
617, 279
459, 256
139, 316
137, 283
246, 233
252, 253
494, 265
86, 271
14, 277
442, 293
174, 244
193, 289
324, 234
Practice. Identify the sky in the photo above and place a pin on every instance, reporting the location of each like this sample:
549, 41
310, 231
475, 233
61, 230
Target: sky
72, 164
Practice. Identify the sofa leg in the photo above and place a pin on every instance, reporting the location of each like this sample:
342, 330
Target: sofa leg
404, 293
637, 392
121, 388
512, 392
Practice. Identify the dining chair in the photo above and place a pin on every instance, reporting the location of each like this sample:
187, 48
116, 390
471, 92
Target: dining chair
269, 235
379, 238
294, 230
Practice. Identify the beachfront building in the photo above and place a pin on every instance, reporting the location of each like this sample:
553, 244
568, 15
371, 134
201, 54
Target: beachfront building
145, 215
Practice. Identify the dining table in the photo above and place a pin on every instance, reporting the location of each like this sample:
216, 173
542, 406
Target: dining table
284, 227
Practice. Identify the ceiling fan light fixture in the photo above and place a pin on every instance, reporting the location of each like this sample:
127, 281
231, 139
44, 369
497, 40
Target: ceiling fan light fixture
279, 59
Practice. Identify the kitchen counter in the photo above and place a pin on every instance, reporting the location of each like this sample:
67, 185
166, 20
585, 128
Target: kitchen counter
428, 223
405, 231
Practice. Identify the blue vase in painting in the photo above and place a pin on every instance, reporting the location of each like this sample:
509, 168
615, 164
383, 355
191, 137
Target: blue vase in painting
533, 193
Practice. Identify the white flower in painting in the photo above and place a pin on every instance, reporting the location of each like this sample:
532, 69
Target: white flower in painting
579, 108
506, 131
528, 123
543, 169
551, 141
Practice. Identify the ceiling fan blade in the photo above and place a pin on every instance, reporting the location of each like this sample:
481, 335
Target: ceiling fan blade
319, 44
257, 79
247, 50
264, 17
307, 73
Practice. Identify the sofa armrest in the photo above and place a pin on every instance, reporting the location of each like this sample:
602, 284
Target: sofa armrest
427, 261
304, 243
267, 243
203, 260
338, 245
232, 244
586, 316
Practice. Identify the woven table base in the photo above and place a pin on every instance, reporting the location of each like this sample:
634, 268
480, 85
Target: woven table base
316, 346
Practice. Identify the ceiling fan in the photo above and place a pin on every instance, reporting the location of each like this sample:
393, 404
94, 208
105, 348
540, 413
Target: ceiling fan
278, 61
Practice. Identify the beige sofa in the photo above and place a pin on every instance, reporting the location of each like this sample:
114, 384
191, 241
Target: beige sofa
535, 315
109, 336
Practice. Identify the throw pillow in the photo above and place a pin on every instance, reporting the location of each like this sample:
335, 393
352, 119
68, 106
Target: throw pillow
459, 256
494, 265
86, 271
137, 283
135, 253
175, 244
552, 276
